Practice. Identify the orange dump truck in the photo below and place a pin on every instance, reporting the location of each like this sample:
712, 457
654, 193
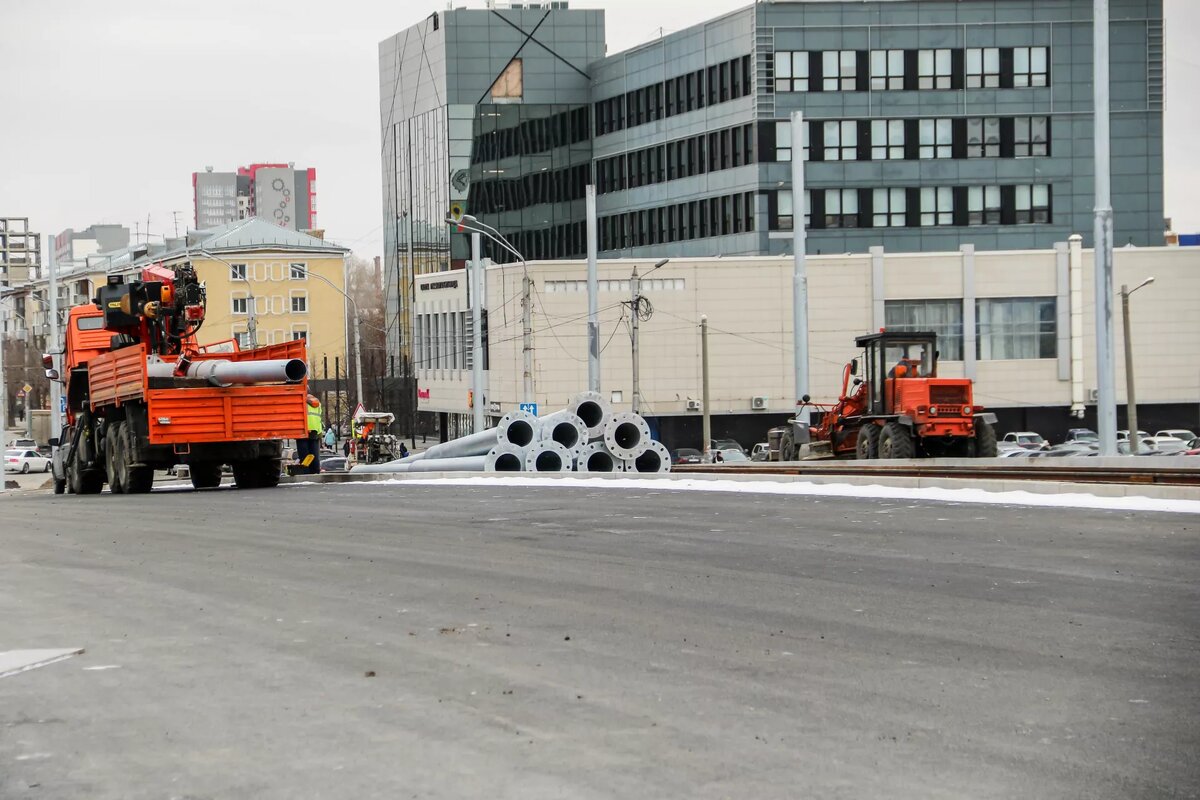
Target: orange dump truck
141, 394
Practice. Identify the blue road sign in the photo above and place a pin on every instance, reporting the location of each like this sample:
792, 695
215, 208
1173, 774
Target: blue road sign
62, 405
530, 407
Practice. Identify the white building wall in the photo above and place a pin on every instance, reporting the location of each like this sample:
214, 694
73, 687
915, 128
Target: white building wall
748, 304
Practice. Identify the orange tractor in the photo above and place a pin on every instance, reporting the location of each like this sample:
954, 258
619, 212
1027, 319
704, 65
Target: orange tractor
898, 407
142, 395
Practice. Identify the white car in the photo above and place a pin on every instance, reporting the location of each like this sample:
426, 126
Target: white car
1182, 434
25, 461
1123, 435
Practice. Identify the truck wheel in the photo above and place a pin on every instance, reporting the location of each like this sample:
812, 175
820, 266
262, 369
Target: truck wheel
205, 474
83, 482
867, 446
139, 480
260, 473
985, 440
896, 442
112, 457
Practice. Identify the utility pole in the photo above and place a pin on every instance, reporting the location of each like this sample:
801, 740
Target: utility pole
175, 219
1131, 394
527, 333
635, 285
707, 420
593, 291
476, 332
1106, 385
800, 431
3, 384
53, 348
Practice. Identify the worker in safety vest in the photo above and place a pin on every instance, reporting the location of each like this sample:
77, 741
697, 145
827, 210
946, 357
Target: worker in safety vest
309, 448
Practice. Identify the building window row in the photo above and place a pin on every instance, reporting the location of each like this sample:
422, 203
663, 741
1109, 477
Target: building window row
532, 136
897, 70
911, 139
682, 158
710, 86
914, 207
1005, 327
648, 285
495, 195
696, 219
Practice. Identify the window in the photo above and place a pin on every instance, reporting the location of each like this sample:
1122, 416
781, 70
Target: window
943, 317
1031, 136
299, 334
243, 339
937, 138
241, 305
1016, 327
839, 70
983, 137
1030, 66
783, 140
937, 206
1032, 204
887, 139
298, 272
784, 217
237, 272
934, 68
889, 208
983, 205
841, 208
299, 304
841, 140
791, 71
887, 70
983, 67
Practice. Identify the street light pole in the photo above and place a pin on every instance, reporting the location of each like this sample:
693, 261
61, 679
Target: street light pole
1131, 399
358, 372
53, 349
635, 305
706, 422
476, 332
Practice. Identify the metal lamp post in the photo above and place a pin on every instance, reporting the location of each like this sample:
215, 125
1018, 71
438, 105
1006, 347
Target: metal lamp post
635, 306
1134, 444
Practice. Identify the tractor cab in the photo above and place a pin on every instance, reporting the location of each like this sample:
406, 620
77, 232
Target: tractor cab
893, 356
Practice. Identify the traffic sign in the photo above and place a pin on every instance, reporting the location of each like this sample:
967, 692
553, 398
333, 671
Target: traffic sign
20, 393
27, 388
358, 411
62, 405
530, 407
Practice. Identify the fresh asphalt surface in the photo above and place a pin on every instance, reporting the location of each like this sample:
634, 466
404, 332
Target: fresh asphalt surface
354, 641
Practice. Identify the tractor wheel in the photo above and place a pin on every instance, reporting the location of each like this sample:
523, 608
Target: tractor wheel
260, 473
985, 440
896, 442
787, 447
867, 446
205, 474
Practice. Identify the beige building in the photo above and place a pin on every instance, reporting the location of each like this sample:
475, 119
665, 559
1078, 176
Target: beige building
1020, 323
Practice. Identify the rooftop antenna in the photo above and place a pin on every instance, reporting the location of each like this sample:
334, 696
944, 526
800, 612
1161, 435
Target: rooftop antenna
175, 217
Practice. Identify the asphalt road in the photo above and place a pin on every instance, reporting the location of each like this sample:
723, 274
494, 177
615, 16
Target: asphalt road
404, 642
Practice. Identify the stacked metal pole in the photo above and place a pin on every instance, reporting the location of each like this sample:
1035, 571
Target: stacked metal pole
584, 437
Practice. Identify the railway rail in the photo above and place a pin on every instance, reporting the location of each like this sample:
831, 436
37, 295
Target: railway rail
1173, 475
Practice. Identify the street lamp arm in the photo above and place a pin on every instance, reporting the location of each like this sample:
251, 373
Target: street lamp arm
488, 231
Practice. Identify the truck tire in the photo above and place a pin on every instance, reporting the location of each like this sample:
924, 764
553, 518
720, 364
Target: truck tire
867, 446
113, 440
82, 482
985, 440
259, 473
205, 474
896, 442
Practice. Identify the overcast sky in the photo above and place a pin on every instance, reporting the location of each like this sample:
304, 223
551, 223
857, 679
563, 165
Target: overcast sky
110, 106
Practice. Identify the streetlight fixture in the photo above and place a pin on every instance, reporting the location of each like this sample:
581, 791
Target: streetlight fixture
1131, 399
635, 306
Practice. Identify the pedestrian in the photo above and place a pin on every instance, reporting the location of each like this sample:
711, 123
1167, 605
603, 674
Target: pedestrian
309, 449
346, 448
403, 451
330, 438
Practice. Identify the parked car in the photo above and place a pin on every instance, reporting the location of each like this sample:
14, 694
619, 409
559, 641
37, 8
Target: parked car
726, 444
686, 455
1167, 445
333, 463
1123, 435
1027, 439
728, 455
1081, 435
25, 460
1072, 449
761, 452
23, 444
1182, 434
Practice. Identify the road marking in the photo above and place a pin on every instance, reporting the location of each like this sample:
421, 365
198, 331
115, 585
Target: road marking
13, 662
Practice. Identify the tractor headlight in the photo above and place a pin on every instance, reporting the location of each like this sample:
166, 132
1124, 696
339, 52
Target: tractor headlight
967, 411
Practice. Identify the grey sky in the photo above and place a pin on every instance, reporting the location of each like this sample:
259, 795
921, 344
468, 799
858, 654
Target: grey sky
110, 106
